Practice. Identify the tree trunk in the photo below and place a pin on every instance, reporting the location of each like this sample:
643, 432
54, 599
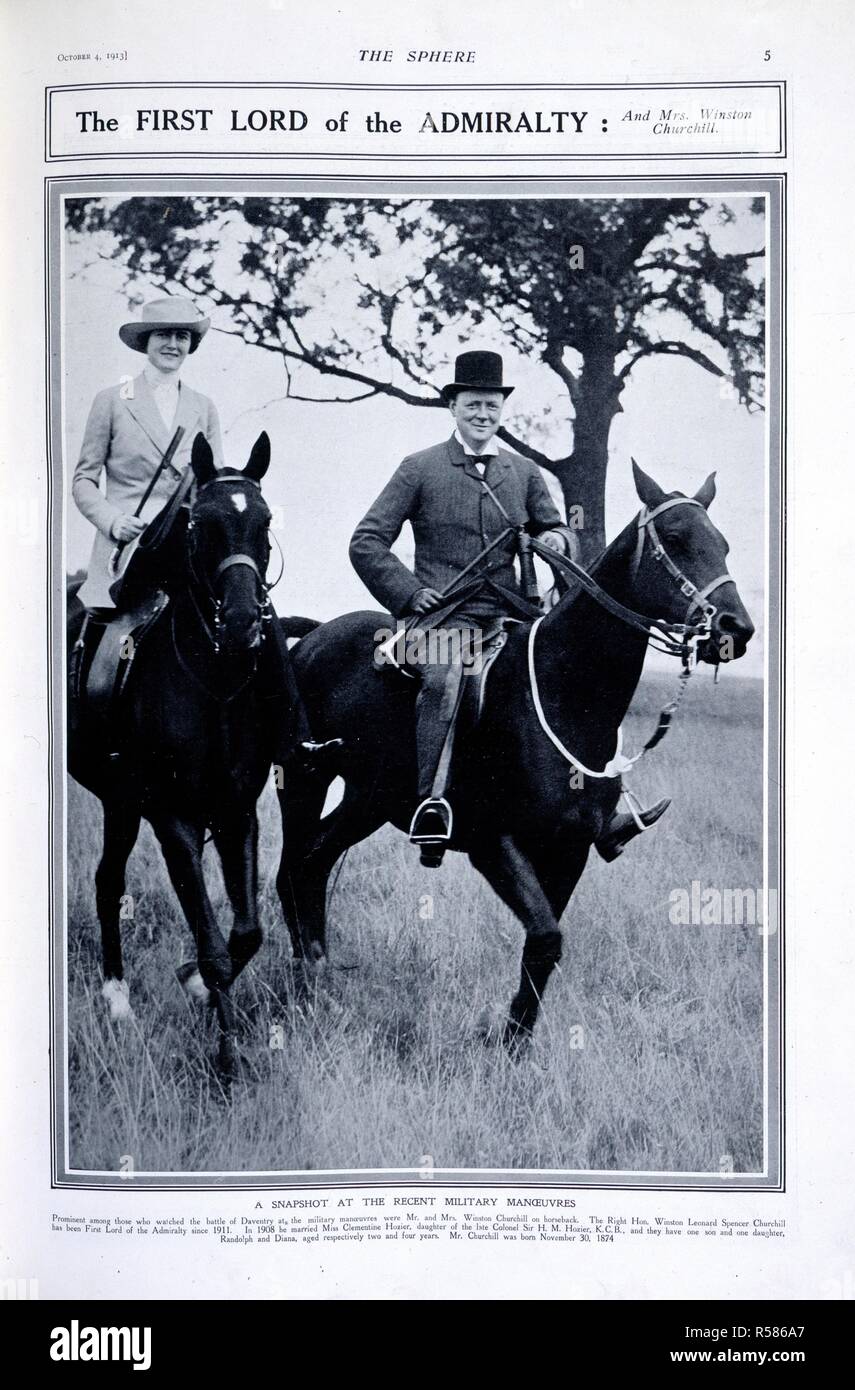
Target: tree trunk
583, 475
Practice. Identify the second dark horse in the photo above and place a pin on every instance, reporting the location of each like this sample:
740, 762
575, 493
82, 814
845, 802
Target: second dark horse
525, 823
193, 738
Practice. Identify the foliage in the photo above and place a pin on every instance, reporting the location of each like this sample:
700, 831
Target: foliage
360, 292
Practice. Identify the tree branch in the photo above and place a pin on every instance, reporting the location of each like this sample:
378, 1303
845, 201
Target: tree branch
677, 349
689, 268
376, 387
554, 358
671, 349
386, 305
335, 400
519, 446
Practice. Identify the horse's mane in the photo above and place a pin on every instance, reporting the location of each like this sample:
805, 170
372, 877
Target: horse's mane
572, 587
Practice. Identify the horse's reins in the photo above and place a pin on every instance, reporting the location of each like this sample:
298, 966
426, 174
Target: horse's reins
674, 639
669, 638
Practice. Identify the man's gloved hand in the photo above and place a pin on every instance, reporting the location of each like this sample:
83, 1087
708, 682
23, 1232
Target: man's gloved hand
424, 600
555, 540
125, 528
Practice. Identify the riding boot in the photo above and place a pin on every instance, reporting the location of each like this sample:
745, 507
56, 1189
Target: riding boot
286, 710
624, 826
75, 663
437, 707
95, 620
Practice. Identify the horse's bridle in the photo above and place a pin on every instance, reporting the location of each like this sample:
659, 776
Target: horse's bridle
697, 597
673, 639
208, 587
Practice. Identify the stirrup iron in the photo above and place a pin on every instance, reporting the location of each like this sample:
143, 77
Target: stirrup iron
442, 811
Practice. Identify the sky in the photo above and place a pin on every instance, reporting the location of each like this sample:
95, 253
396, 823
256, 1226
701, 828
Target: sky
330, 460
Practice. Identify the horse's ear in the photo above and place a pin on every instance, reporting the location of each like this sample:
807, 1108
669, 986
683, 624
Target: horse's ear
259, 459
202, 460
650, 493
706, 492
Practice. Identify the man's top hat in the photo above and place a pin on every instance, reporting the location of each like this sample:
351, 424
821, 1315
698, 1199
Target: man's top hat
172, 312
476, 371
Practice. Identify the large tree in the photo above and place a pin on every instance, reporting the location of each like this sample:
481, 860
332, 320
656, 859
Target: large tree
356, 291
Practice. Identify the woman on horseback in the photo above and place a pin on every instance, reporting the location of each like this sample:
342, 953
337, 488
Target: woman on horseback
128, 432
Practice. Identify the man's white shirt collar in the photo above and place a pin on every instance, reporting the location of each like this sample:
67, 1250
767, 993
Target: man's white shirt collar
490, 449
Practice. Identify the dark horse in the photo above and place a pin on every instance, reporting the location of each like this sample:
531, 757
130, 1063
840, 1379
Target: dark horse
525, 823
190, 746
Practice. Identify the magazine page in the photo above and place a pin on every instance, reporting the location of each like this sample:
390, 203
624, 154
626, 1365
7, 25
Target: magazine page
426, 536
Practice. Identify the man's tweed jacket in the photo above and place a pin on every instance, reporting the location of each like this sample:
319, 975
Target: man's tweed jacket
439, 492
124, 442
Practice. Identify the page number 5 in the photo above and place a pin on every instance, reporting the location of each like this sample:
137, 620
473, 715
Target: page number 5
767, 55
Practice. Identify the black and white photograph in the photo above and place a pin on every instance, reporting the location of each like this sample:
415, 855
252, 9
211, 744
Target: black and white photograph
426, 529
417, 807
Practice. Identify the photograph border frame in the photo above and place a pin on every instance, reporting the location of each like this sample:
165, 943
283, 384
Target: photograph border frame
773, 185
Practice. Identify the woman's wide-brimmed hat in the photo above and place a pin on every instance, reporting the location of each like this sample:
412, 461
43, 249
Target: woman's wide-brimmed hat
171, 312
476, 371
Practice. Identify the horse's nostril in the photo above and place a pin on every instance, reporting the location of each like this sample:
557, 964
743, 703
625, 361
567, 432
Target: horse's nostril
739, 628
238, 632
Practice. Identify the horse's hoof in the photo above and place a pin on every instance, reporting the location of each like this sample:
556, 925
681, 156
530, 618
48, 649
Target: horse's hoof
116, 994
192, 983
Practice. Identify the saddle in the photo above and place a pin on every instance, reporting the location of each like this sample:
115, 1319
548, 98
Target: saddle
393, 652
493, 646
102, 661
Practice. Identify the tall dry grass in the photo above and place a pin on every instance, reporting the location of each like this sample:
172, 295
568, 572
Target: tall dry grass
647, 1056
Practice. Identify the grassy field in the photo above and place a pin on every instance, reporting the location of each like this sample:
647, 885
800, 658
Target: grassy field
647, 1056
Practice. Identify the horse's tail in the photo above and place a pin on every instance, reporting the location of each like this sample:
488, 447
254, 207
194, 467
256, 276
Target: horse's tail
298, 627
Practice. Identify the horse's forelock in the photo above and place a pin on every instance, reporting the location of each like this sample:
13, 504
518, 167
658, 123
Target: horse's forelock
220, 489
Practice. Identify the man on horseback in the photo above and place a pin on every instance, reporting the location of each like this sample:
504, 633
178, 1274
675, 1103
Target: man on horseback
459, 497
